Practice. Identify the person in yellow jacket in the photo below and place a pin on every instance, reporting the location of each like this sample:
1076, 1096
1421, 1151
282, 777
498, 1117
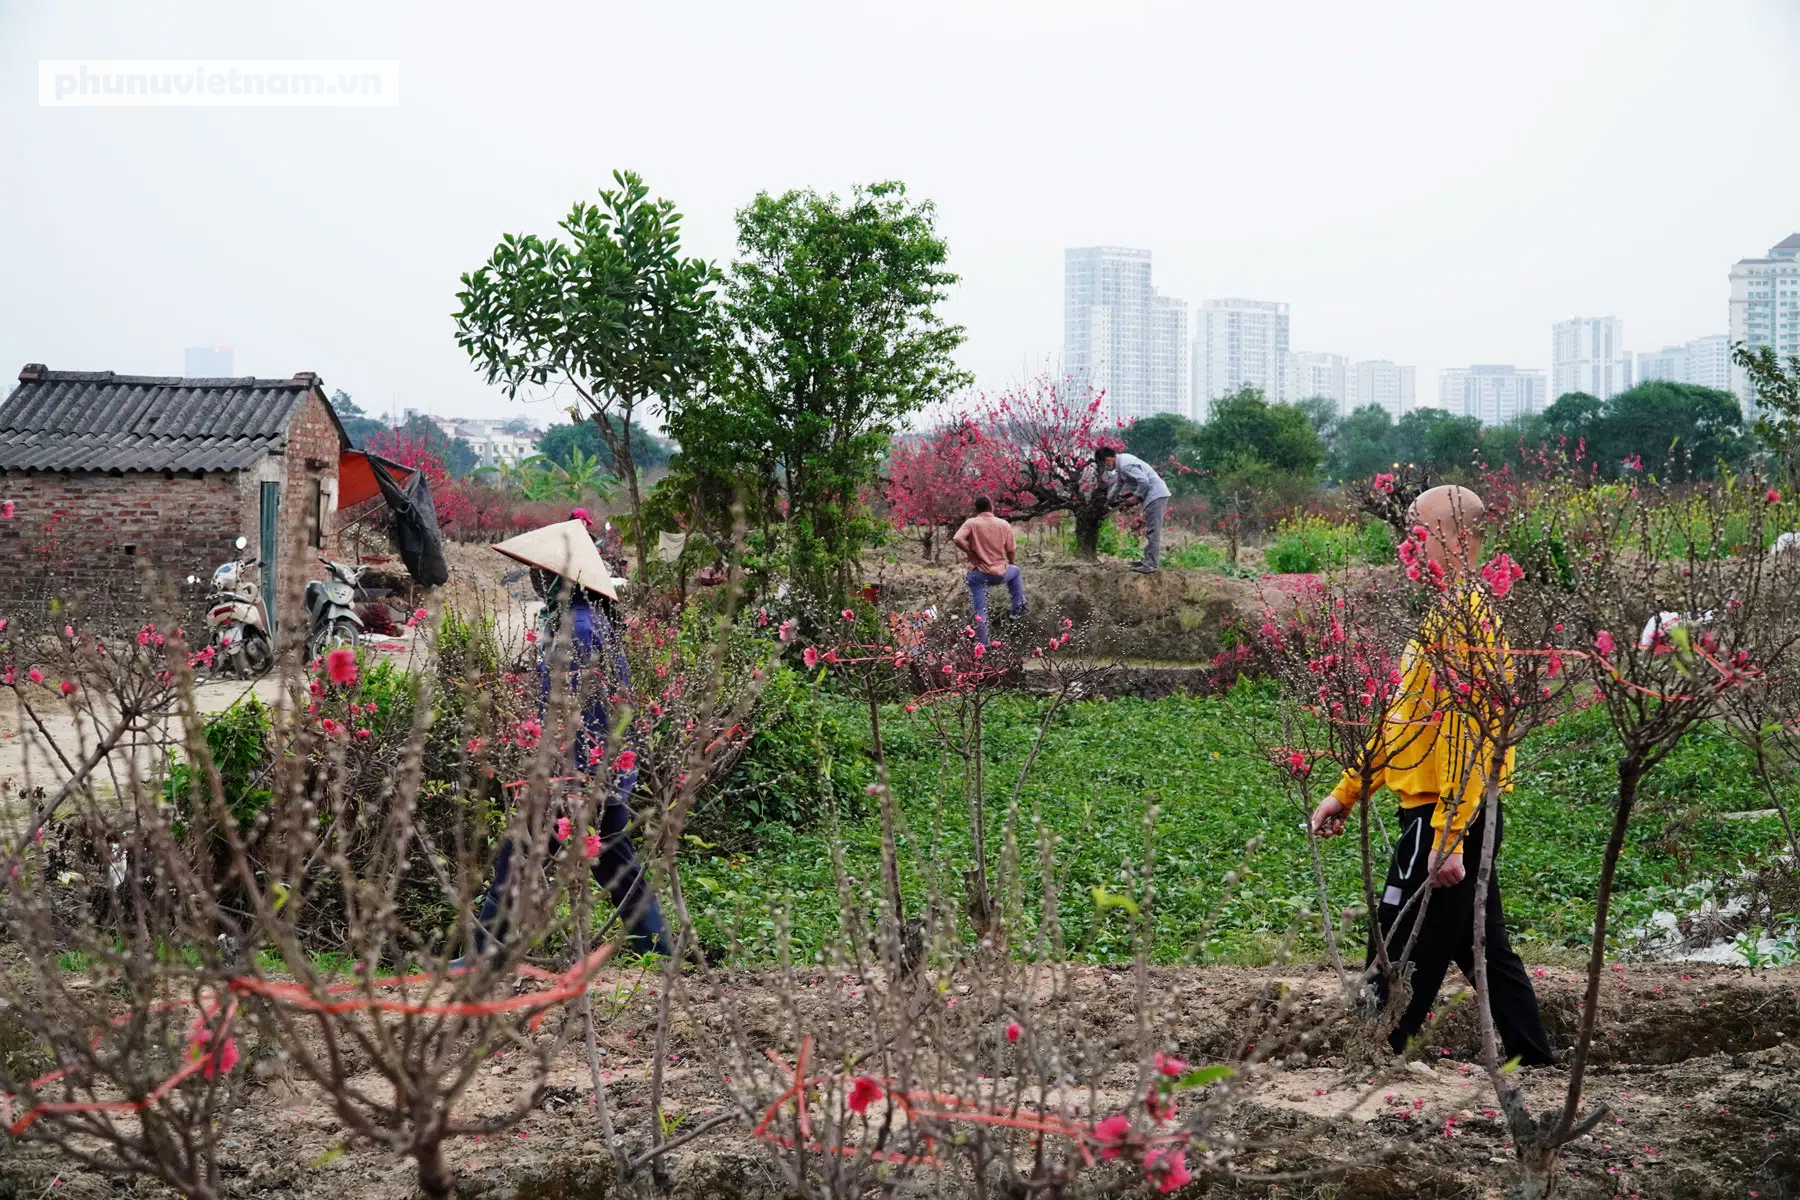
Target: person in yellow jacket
1429, 753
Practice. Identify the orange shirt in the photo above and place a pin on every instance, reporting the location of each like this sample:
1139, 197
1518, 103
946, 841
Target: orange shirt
988, 541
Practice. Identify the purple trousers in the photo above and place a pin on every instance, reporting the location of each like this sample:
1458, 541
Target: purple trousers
980, 582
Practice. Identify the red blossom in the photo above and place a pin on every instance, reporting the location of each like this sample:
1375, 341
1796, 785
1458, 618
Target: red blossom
340, 666
863, 1092
1111, 1134
626, 762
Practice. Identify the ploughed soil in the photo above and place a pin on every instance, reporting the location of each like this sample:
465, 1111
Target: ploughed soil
1699, 1066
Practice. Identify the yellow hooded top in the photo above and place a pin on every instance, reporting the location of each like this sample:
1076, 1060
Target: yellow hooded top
1428, 749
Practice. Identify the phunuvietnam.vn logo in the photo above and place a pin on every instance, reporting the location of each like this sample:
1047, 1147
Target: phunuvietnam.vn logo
218, 83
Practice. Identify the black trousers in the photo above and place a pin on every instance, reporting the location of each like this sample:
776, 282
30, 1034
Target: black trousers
616, 869
1448, 935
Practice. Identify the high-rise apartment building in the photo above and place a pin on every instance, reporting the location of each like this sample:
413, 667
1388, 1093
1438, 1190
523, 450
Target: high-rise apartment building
1119, 336
208, 362
1704, 362
1241, 343
1380, 382
1311, 373
1765, 308
1587, 354
1494, 393
1170, 343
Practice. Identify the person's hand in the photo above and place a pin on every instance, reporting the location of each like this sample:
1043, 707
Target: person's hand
1449, 871
1328, 818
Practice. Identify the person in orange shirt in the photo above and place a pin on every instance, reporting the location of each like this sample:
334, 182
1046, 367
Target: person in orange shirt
988, 542
1428, 754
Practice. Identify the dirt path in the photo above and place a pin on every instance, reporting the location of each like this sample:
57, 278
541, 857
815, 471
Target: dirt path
1700, 1068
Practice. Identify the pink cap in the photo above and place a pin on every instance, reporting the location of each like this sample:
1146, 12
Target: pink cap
579, 514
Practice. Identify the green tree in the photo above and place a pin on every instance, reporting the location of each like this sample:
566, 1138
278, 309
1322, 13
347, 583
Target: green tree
560, 441
1243, 423
1166, 441
357, 424
1442, 442
835, 338
461, 459
615, 313
1677, 429
1777, 390
1364, 445
1322, 414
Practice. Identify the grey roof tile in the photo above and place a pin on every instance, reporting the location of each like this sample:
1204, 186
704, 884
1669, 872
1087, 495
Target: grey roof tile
99, 421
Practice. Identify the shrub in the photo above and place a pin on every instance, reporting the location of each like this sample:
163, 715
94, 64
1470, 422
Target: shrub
1307, 545
803, 758
238, 742
1195, 556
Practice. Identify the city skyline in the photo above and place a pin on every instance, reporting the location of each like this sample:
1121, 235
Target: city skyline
1246, 343
1428, 236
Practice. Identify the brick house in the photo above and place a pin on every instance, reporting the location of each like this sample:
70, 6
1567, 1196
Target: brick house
109, 474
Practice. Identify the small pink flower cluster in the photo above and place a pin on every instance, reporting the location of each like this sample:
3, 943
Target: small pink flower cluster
1501, 572
1384, 483
218, 1060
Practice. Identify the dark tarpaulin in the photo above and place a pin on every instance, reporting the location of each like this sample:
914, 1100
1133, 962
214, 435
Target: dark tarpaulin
414, 529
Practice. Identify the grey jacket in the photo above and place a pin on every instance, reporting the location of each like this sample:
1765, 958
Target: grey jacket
1132, 474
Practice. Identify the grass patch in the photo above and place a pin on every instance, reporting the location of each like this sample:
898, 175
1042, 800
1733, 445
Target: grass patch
1197, 761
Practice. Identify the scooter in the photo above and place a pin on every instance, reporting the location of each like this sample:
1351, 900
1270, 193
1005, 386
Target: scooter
238, 624
331, 609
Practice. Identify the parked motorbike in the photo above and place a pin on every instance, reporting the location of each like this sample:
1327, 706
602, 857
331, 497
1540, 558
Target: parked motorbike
236, 622
331, 609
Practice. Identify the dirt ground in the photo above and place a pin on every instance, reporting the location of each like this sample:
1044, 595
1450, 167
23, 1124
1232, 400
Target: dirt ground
1700, 1068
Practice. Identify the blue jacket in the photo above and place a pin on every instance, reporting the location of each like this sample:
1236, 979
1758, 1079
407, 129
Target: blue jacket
596, 651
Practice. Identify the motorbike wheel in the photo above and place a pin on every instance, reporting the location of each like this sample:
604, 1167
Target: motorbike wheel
341, 635
257, 656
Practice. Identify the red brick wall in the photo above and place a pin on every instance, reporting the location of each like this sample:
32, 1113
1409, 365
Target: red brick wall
84, 537
312, 438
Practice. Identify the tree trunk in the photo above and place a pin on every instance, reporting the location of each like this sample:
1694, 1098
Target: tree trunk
628, 465
1087, 531
435, 1179
1631, 772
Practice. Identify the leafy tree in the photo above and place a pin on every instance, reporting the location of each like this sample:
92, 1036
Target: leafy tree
1364, 445
560, 441
1161, 440
356, 423
1680, 430
1322, 414
1778, 405
1574, 418
1439, 441
835, 338
461, 459
1243, 423
615, 313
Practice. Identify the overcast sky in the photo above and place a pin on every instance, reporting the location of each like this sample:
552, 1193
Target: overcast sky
1419, 182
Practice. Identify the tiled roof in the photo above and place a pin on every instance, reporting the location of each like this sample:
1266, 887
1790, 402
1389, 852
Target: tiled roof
1791, 242
99, 421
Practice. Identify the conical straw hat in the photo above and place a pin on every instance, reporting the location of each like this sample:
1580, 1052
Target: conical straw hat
567, 549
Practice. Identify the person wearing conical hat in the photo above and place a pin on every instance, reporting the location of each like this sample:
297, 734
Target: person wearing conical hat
597, 670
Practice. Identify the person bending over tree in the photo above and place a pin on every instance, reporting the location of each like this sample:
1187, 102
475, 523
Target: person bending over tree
988, 542
1135, 483
1427, 757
